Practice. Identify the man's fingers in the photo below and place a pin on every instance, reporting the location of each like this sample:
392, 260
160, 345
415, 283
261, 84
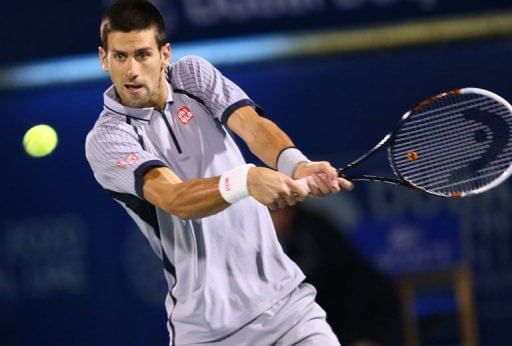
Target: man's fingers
326, 168
331, 184
314, 190
321, 185
333, 172
299, 189
346, 184
289, 199
334, 185
322, 167
304, 183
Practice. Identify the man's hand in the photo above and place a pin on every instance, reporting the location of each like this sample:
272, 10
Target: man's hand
274, 189
321, 178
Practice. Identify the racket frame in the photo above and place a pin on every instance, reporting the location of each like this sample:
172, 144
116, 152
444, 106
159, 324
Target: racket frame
508, 171
388, 139
365, 177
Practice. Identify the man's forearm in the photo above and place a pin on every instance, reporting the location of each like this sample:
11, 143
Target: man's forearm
269, 141
189, 199
263, 137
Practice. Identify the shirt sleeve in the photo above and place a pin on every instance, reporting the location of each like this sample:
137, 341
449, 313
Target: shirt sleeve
198, 77
118, 159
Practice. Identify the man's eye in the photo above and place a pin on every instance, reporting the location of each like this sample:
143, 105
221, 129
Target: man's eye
118, 56
143, 55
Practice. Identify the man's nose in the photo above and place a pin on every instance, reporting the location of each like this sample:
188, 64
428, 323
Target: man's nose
132, 68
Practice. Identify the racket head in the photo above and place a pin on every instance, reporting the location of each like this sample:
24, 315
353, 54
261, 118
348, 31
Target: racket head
455, 144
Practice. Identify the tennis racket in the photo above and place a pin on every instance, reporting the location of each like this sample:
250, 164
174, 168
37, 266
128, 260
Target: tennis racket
455, 144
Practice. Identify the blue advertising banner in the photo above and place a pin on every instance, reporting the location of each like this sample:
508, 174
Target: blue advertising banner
34, 29
198, 19
401, 245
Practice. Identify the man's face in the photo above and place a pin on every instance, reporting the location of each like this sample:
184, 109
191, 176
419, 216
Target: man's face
136, 67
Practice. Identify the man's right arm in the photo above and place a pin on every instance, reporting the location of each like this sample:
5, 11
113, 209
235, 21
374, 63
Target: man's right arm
198, 198
186, 199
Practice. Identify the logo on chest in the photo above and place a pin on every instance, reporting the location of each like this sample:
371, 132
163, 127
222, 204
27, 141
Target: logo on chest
185, 115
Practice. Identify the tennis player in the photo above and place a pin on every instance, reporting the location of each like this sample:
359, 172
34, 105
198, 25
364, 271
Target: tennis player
162, 149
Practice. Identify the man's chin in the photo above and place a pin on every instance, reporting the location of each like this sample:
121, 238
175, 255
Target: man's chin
135, 103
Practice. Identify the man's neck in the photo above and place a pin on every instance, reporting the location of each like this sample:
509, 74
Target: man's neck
162, 94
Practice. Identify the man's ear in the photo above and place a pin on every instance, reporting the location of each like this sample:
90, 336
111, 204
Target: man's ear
166, 55
102, 52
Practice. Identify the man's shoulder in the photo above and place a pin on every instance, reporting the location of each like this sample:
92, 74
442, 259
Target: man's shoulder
107, 123
109, 118
190, 67
191, 62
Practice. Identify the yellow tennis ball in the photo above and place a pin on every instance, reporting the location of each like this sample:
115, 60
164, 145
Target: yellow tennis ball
40, 140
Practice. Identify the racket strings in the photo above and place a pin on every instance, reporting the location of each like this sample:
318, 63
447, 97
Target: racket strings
441, 149
451, 129
498, 168
453, 162
447, 145
447, 105
420, 131
444, 147
476, 180
438, 182
437, 148
448, 132
441, 178
448, 156
500, 164
454, 152
442, 183
435, 114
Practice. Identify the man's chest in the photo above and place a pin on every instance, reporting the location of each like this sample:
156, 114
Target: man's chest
186, 136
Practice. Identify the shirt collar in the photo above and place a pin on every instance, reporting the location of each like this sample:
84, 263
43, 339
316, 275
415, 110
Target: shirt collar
112, 102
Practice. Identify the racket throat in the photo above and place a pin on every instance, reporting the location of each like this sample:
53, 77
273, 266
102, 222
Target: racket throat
374, 178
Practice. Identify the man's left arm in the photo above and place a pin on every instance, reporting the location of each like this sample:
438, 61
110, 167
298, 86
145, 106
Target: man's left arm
272, 146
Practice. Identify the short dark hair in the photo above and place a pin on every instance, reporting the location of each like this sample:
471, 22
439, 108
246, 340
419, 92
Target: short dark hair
129, 15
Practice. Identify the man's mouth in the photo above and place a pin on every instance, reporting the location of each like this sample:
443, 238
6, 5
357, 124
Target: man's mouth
133, 88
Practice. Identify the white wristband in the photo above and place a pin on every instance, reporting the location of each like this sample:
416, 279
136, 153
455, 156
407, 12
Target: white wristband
288, 160
233, 184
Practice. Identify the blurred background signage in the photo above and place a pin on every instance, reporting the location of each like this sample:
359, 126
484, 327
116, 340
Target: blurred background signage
45, 32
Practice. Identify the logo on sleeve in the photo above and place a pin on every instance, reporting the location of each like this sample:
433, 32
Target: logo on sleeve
122, 163
185, 115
